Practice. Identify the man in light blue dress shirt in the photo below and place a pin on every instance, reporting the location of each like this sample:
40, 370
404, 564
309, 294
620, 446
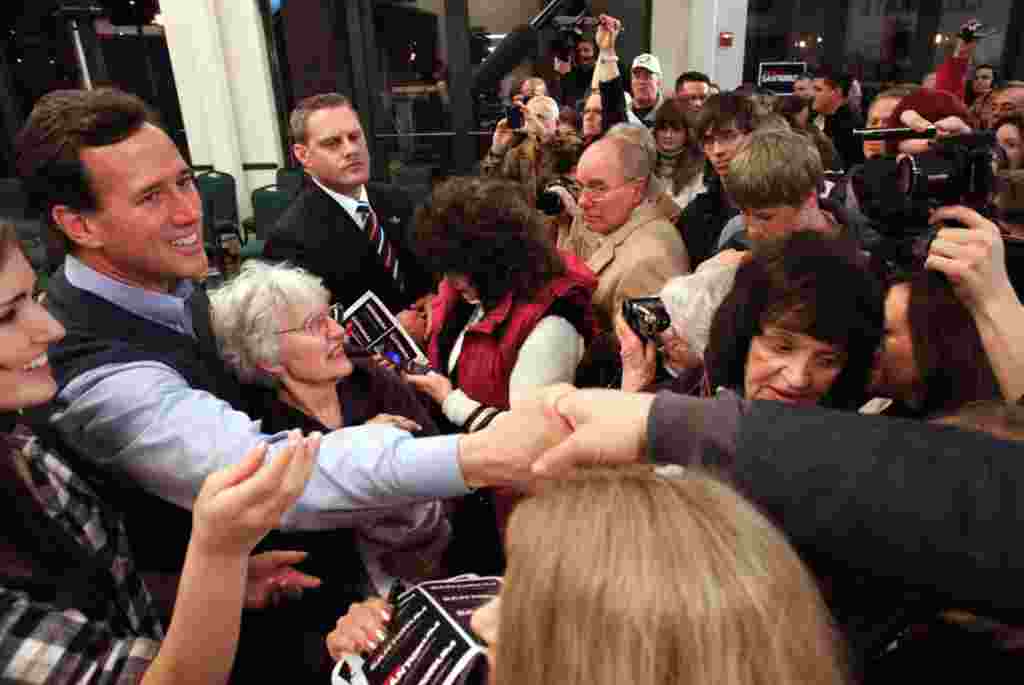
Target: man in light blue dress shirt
125, 203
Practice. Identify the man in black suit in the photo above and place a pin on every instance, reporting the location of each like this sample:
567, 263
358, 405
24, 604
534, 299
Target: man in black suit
352, 233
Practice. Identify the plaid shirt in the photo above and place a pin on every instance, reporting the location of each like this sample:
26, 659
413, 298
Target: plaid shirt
43, 643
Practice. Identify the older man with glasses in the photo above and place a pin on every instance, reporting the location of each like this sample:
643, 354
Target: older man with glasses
621, 234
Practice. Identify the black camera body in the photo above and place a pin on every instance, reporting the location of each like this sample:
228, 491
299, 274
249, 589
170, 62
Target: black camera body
514, 116
900, 192
569, 30
549, 202
647, 316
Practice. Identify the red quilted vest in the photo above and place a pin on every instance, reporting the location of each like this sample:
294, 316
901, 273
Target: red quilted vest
491, 347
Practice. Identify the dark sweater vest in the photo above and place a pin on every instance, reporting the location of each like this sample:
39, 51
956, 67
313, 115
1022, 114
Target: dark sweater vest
100, 332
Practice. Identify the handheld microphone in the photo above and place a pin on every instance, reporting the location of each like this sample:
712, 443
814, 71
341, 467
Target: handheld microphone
894, 133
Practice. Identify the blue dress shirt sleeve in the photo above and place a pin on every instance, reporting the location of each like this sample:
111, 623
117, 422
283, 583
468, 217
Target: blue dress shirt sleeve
142, 419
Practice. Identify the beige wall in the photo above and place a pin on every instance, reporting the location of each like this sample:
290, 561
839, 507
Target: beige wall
684, 36
670, 38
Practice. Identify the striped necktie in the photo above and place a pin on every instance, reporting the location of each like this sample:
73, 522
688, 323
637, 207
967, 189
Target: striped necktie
375, 234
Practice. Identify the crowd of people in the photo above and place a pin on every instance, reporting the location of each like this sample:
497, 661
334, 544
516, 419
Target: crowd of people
212, 485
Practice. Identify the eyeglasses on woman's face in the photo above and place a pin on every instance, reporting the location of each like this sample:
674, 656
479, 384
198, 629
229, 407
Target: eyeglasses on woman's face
318, 324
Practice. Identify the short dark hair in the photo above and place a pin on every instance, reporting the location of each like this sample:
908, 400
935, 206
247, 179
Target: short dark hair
837, 78
986, 66
299, 118
692, 76
724, 110
816, 284
487, 230
48, 148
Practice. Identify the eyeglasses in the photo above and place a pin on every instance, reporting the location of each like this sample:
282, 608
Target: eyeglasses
599, 194
318, 324
727, 137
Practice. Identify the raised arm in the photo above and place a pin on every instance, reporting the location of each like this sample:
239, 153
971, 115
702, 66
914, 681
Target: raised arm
974, 261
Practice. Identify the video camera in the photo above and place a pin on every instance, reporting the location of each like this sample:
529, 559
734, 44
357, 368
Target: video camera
569, 30
900, 192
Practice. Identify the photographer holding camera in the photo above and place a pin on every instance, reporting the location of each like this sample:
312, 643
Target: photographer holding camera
521, 149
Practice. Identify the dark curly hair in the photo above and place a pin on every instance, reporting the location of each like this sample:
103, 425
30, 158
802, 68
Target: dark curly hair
486, 230
818, 285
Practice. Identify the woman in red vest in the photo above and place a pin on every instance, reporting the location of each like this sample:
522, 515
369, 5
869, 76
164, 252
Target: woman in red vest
512, 312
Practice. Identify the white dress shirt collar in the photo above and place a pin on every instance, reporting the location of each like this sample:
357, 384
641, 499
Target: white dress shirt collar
348, 203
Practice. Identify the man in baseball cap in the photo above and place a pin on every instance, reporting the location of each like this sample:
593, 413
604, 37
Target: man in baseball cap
645, 82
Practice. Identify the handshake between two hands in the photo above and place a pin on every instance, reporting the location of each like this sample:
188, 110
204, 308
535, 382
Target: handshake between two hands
549, 431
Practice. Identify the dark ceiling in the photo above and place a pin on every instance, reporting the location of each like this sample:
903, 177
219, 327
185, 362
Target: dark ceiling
32, 16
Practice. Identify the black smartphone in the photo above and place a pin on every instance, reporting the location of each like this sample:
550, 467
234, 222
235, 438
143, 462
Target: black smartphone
514, 116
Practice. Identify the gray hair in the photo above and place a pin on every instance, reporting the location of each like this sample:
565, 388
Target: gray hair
638, 153
247, 311
547, 103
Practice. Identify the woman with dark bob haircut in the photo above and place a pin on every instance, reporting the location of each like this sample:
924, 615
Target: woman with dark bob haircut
511, 312
801, 324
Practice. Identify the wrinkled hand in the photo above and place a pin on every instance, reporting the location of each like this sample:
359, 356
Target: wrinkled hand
972, 258
678, 355
361, 629
239, 504
397, 421
607, 32
639, 357
271, 579
435, 385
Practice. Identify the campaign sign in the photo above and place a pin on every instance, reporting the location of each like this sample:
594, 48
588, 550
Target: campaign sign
779, 77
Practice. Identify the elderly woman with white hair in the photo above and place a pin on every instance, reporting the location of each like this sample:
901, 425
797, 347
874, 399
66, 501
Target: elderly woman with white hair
277, 332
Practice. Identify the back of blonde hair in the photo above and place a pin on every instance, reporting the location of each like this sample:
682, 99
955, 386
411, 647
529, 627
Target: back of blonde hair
629, 577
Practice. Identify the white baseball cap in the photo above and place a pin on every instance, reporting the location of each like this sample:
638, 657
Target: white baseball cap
649, 62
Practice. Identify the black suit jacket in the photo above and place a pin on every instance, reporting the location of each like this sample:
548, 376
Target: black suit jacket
839, 127
316, 233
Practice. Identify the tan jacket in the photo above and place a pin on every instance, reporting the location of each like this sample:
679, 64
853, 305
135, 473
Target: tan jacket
634, 261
